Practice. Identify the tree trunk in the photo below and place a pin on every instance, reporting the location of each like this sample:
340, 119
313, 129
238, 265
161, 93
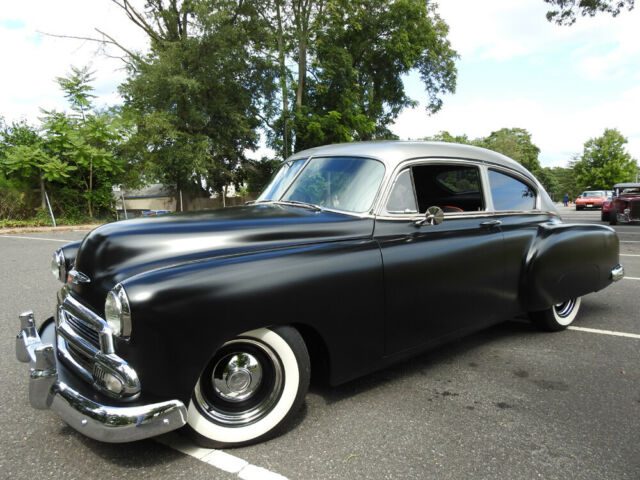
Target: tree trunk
283, 82
43, 201
90, 187
302, 68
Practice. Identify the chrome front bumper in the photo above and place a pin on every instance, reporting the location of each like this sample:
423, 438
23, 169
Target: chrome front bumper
52, 386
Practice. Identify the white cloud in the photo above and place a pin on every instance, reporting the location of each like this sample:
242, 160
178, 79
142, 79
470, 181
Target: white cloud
33, 60
604, 50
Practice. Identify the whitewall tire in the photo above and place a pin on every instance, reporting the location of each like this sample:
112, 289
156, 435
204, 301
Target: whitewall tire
558, 317
251, 388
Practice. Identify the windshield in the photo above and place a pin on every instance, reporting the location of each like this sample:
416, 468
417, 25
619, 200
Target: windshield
593, 194
342, 183
281, 180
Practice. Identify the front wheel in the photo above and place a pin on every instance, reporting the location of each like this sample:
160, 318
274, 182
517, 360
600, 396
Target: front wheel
558, 317
613, 216
252, 387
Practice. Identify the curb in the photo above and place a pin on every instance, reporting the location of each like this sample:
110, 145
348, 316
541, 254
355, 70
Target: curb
63, 228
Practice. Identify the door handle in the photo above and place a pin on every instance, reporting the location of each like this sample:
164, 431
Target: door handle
491, 223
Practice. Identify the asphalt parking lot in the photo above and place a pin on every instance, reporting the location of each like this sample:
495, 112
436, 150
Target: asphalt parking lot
509, 402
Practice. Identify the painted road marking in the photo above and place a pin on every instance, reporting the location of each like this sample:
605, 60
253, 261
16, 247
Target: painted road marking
628, 255
632, 278
605, 332
38, 238
219, 459
629, 241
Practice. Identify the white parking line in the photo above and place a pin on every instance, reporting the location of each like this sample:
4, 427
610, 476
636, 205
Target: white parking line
629, 241
632, 278
38, 238
219, 459
628, 255
605, 332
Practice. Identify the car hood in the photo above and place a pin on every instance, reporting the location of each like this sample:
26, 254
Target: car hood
119, 250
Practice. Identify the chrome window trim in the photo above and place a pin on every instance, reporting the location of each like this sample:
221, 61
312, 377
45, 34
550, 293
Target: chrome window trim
408, 163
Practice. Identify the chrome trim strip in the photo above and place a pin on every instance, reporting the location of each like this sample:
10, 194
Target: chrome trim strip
101, 422
467, 215
617, 273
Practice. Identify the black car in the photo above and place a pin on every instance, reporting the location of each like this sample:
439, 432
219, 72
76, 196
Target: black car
354, 257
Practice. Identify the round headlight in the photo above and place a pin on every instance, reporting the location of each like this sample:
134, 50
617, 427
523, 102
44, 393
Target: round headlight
58, 266
117, 312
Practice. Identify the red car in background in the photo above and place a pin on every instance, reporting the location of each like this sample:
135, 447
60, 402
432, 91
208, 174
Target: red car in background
624, 206
591, 199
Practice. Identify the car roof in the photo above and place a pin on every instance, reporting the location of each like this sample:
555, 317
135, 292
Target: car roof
626, 185
392, 152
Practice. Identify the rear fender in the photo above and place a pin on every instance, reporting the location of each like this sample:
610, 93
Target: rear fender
567, 261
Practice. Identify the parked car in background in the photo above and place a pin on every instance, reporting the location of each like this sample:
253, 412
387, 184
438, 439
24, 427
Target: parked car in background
591, 199
625, 203
606, 207
354, 257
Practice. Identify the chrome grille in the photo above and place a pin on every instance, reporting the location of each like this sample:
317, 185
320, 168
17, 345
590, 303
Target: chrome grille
84, 360
83, 329
85, 344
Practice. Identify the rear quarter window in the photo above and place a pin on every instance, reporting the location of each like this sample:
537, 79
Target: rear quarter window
509, 193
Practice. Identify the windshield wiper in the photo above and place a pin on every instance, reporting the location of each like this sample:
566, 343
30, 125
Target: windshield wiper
295, 203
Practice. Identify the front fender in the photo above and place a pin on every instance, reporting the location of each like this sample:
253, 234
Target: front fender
181, 315
566, 261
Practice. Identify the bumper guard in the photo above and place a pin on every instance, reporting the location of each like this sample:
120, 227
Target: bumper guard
106, 423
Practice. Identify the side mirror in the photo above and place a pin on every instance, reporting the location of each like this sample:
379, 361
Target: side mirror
433, 216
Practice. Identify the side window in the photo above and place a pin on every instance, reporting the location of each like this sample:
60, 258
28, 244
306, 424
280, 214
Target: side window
452, 187
402, 198
509, 193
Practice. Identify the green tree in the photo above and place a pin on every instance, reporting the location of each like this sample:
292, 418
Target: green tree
196, 98
605, 162
564, 12
444, 136
352, 56
515, 143
86, 140
23, 156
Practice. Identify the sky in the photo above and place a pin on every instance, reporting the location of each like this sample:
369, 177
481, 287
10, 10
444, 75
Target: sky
564, 85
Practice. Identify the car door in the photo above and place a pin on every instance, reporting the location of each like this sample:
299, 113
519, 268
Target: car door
440, 280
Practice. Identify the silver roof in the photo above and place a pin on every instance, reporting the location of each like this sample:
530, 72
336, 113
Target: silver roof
392, 152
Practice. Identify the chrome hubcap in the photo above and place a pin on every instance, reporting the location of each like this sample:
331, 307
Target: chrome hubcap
236, 377
564, 309
242, 384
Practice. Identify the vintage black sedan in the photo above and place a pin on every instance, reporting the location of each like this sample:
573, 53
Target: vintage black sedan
355, 256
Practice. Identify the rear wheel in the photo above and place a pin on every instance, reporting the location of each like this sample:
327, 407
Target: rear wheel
613, 217
558, 317
604, 216
251, 388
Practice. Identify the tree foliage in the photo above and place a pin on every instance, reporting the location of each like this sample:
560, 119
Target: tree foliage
515, 143
196, 97
565, 12
350, 58
74, 156
605, 162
